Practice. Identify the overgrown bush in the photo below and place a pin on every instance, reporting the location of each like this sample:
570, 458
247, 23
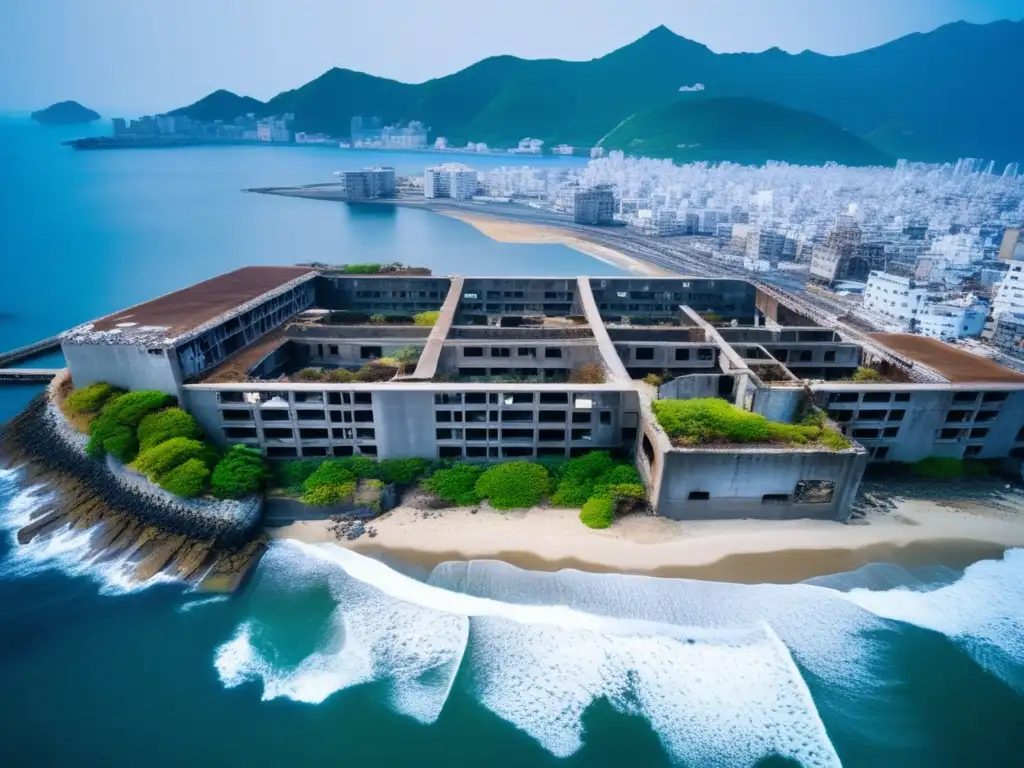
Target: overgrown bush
654, 380
326, 495
456, 484
157, 461
403, 471
361, 269
242, 471
426, 318
362, 467
113, 430
939, 468
588, 373
621, 491
513, 485
160, 426
378, 319
381, 369
341, 376
330, 472
598, 512
188, 479
310, 375
91, 398
867, 376
292, 474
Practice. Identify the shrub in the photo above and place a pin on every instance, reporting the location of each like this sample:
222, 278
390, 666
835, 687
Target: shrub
709, 419
113, 430
588, 373
513, 485
292, 474
163, 457
309, 374
188, 479
653, 380
242, 471
361, 269
326, 495
378, 319
830, 438
403, 471
382, 369
162, 425
867, 375
362, 467
426, 318
598, 512
340, 376
580, 477
939, 468
457, 484
555, 465
91, 398
330, 472
626, 491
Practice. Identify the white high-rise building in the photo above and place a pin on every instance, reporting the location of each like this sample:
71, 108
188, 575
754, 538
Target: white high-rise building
450, 180
1010, 295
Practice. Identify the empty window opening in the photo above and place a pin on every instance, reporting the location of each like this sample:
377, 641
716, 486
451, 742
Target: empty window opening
697, 495
775, 498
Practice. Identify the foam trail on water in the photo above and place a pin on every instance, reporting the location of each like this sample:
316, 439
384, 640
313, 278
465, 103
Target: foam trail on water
714, 696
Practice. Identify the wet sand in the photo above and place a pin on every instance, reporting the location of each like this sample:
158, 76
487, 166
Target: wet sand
742, 551
505, 231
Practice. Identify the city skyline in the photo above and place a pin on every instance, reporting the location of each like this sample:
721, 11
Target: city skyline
179, 54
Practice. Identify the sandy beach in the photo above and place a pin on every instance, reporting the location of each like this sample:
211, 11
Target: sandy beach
744, 551
520, 232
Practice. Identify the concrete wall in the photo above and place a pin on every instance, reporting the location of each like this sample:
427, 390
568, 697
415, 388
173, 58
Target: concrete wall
908, 423
123, 365
737, 483
779, 403
691, 386
456, 355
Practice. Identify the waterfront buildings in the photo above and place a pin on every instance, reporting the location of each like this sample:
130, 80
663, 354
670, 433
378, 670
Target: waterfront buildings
453, 180
594, 206
907, 305
368, 183
533, 367
1009, 295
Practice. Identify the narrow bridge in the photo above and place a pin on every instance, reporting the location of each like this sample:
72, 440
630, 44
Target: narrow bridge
29, 350
27, 375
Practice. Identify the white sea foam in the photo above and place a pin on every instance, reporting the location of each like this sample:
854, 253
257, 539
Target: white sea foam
65, 549
193, 604
714, 696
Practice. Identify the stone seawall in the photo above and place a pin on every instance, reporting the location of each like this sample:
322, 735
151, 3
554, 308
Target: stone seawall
158, 532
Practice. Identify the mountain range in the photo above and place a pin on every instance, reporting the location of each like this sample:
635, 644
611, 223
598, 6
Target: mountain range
936, 96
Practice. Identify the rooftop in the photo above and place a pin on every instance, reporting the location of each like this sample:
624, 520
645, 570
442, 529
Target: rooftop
177, 313
956, 365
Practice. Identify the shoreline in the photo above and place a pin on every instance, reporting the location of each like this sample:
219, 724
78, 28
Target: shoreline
509, 231
740, 551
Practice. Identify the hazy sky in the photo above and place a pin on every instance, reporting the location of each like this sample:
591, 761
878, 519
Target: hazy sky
134, 56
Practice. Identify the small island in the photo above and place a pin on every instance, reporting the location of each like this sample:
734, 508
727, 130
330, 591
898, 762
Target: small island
65, 113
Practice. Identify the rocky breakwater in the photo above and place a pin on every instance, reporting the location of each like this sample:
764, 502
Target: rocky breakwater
215, 543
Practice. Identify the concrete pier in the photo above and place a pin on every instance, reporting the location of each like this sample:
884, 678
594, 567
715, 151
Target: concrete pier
29, 350
28, 375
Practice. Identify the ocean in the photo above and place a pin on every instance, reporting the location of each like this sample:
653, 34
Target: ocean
331, 658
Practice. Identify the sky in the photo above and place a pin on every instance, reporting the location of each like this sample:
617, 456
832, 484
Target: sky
129, 57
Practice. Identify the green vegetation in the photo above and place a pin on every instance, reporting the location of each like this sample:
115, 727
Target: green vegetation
740, 130
357, 478
513, 485
598, 512
591, 475
328, 495
90, 399
157, 461
712, 420
290, 475
188, 479
588, 373
240, 472
456, 484
164, 443
161, 426
943, 468
379, 370
867, 376
113, 431
426, 318
330, 483
361, 269
378, 319
403, 471
654, 380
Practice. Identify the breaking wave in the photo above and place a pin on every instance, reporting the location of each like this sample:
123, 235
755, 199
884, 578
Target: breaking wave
66, 549
719, 671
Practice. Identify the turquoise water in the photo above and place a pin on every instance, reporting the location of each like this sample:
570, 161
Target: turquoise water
329, 658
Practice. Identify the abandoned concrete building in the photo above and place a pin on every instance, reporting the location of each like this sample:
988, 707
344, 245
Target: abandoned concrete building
506, 368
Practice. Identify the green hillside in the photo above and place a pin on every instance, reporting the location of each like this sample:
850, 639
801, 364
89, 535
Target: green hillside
948, 90
740, 130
